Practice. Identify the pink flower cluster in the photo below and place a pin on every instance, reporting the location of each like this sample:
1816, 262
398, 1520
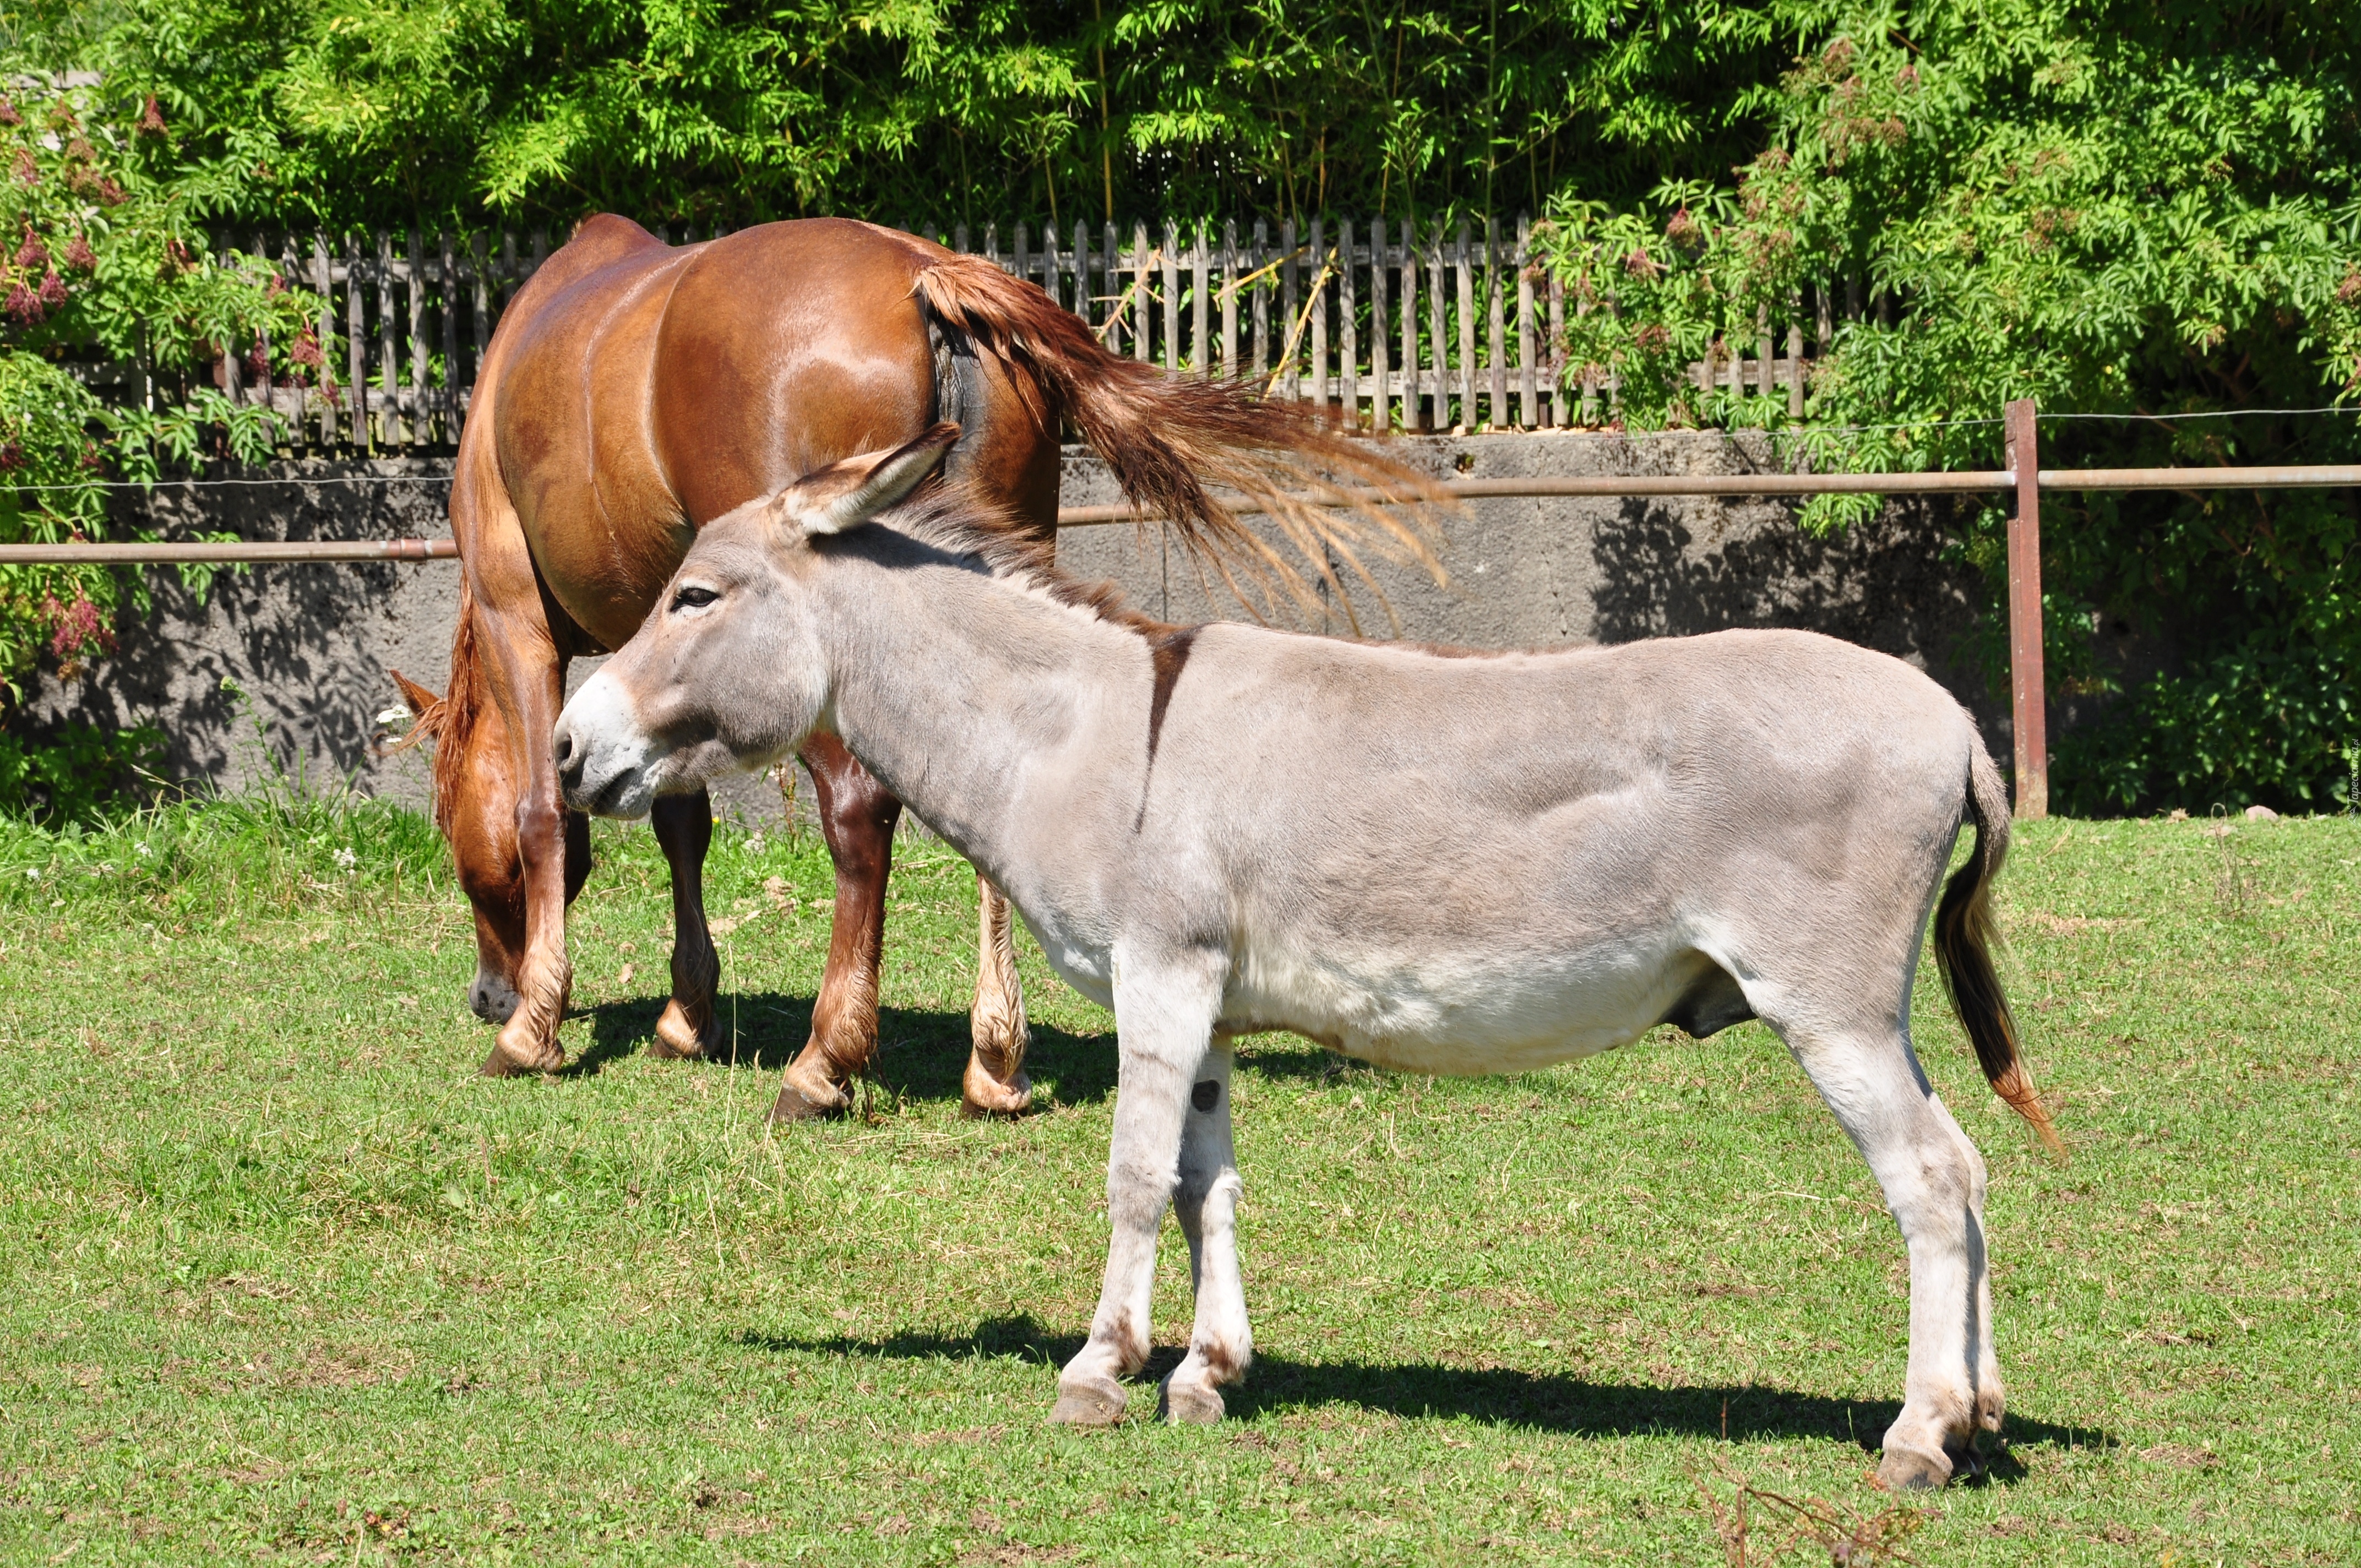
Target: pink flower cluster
73, 627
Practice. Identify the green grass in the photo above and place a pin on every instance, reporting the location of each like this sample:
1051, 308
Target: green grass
282, 1280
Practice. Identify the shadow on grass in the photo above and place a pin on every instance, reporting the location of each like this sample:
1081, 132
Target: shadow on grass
1505, 1396
921, 1053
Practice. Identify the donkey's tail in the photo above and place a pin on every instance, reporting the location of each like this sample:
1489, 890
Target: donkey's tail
1171, 438
1964, 937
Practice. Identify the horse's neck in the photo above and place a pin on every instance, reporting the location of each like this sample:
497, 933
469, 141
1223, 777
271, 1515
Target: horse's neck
955, 690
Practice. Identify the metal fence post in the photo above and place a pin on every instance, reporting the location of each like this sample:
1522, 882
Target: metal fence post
2029, 693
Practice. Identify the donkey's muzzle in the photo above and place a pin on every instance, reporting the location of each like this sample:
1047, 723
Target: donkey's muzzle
601, 756
570, 754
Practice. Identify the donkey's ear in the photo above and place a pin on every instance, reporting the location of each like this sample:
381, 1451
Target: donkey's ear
842, 495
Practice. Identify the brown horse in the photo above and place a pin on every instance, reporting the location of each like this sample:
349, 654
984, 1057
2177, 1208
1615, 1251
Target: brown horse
635, 392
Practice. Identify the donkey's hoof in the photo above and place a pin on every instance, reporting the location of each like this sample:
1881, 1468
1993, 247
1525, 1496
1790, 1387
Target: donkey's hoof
677, 1041
1191, 1404
1096, 1403
795, 1104
1913, 1470
980, 1094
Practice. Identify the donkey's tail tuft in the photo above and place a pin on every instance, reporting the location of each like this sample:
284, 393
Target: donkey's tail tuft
1170, 439
1965, 935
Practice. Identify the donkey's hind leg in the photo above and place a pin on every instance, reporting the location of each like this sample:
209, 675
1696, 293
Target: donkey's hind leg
996, 1084
1206, 1203
684, 825
857, 815
1934, 1184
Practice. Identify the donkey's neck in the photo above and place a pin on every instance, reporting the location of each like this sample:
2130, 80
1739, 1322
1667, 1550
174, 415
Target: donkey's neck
978, 700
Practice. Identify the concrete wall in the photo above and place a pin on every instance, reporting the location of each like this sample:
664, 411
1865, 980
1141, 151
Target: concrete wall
310, 645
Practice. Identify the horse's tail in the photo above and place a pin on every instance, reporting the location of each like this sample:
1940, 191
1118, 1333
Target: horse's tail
1965, 935
448, 720
1166, 437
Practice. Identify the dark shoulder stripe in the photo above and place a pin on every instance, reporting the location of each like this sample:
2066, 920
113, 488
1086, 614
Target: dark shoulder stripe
1168, 650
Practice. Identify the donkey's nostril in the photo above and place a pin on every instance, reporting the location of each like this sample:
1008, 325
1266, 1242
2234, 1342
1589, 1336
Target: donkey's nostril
561, 751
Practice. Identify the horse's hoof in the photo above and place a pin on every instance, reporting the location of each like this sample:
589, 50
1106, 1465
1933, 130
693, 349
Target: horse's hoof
983, 1095
675, 1041
794, 1106
1913, 1470
1098, 1403
1191, 1404
500, 1064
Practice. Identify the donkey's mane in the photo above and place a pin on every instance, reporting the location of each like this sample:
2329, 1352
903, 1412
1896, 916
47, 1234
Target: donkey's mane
961, 521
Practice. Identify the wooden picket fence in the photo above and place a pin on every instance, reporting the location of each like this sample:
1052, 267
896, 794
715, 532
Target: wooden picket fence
1456, 328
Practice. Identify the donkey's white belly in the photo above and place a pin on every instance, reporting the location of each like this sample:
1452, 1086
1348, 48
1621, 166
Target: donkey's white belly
1454, 1012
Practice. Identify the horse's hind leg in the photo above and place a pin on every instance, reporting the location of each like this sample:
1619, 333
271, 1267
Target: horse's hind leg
995, 1083
684, 825
857, 815
1934, 1185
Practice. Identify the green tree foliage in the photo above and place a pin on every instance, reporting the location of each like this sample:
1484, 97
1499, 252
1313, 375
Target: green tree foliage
102, 264
2122, 209
394, 111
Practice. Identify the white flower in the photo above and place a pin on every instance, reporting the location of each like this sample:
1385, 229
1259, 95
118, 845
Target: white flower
143, 849
33, 873
347, 860
393, 716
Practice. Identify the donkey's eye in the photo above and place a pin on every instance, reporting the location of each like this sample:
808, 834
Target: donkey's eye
693, 598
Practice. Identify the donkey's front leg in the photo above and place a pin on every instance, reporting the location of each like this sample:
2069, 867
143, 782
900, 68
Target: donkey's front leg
1164, 1020
1207, 1205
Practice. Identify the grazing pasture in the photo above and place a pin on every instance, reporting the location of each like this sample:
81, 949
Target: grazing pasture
282, 1280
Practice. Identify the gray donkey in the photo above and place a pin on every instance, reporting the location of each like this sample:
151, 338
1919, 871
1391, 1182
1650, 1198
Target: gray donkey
1439, 864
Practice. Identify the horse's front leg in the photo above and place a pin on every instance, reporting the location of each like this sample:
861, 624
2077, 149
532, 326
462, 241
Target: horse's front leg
534, 688
684, 825
996, 1084
1206, 1203
857, 815
1165, 1008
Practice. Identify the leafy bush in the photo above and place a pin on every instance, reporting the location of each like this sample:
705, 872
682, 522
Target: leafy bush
101, 258
80, 774
2257, 726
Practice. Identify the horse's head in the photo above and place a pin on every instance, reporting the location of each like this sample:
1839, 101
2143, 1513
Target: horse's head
727, 674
